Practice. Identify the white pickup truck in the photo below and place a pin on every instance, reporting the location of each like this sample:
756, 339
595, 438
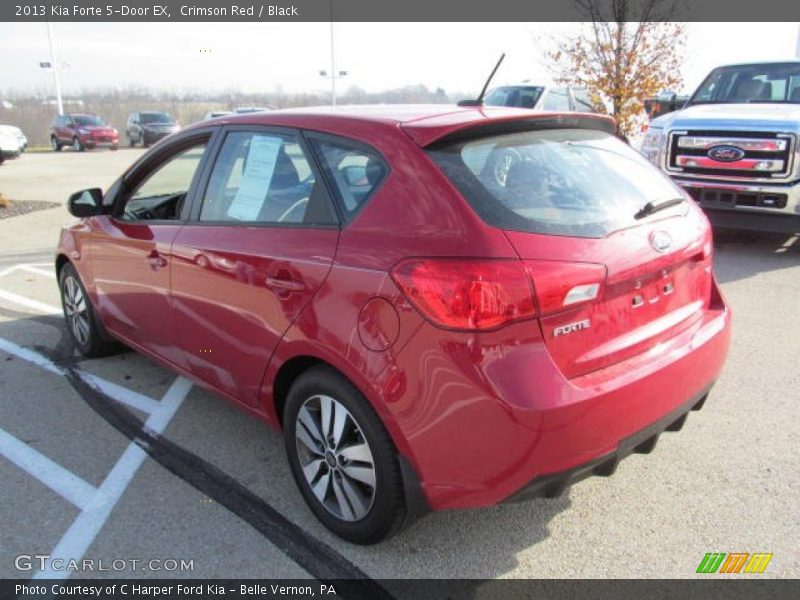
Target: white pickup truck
734, 146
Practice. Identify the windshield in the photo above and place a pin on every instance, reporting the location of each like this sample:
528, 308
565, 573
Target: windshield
573, 182
88, 121
514, 95
156, 118
751, 83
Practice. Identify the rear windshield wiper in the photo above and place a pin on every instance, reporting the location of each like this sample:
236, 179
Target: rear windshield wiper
651, 208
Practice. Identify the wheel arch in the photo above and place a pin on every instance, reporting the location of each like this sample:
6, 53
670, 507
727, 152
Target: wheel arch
290, 370
61, 260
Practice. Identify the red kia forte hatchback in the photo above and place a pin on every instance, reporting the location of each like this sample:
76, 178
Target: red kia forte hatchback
440, 307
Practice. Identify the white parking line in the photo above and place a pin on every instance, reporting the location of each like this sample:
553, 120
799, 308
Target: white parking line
119, 393
39, 268
34, 304
96, 504
64, 483
87, 525
51, 272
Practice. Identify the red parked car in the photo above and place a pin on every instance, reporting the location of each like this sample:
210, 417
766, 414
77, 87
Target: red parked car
82, 132
440, 307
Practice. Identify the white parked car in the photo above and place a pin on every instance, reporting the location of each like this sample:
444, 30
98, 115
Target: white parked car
540, 97
12, 141
244, 110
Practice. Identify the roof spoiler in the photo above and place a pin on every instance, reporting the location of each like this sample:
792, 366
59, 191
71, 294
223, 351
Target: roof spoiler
516, 124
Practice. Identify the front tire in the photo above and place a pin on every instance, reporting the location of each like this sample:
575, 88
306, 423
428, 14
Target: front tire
77, 145
342, 458
84, 326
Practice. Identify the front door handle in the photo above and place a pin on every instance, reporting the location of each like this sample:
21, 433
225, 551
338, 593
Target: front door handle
156, 260
279, 284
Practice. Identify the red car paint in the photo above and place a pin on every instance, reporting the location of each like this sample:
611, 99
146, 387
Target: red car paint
477, 413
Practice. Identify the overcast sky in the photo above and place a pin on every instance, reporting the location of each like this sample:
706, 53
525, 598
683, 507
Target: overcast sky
257, 57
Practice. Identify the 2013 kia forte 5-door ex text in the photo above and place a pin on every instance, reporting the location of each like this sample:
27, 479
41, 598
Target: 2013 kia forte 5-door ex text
440, 307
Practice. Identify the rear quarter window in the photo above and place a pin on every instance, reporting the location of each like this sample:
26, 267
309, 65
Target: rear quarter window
571, 182
355, 170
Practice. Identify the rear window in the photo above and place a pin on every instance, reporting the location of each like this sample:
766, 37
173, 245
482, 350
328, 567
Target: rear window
572, 182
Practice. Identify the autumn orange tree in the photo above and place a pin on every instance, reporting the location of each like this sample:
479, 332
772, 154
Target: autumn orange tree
626, 52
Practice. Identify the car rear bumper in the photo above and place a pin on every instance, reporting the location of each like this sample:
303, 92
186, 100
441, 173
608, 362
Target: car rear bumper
490, 416
743, 205
641, 442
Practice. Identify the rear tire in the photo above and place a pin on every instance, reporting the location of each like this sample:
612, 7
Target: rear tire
342, 458
76, 144
54, 144
131, 143
85, 328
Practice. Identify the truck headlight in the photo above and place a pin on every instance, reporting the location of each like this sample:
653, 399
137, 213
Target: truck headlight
653, 146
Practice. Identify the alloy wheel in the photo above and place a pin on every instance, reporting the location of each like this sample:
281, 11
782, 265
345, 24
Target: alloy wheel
75, 308
335, 457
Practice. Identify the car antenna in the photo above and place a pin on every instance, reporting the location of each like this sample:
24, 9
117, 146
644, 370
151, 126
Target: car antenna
479, 100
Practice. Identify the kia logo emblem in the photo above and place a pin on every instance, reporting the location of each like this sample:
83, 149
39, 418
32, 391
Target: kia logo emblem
661, 241
726, 153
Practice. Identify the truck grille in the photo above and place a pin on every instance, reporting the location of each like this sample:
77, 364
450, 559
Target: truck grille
731, 154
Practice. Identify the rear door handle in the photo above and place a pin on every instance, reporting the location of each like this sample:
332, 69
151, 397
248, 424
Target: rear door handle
156, 260
279, 284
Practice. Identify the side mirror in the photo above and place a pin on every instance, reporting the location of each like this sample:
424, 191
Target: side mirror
86, 203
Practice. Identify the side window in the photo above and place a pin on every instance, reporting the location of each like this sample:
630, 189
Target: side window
160, 196
355, 170
265, 178
794, 89
556, 99
583, 101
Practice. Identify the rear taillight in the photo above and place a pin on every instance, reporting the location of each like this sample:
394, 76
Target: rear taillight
564, 285
467, 294
470, 294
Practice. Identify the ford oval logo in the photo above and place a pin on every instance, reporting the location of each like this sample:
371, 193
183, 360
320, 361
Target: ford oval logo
661, 241
726, 153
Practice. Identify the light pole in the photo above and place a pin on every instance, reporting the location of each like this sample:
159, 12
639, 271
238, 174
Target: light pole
334, 74
797, 50
333, 79
54, 66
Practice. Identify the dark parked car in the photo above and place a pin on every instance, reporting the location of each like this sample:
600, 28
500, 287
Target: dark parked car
665, 102
213, 114
148, 127
82, 131
427, 335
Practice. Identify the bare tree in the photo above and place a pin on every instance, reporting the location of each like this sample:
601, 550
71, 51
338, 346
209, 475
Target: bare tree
628, 51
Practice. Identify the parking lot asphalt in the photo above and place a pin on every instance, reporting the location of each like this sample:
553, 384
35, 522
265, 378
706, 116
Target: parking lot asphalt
118, 459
